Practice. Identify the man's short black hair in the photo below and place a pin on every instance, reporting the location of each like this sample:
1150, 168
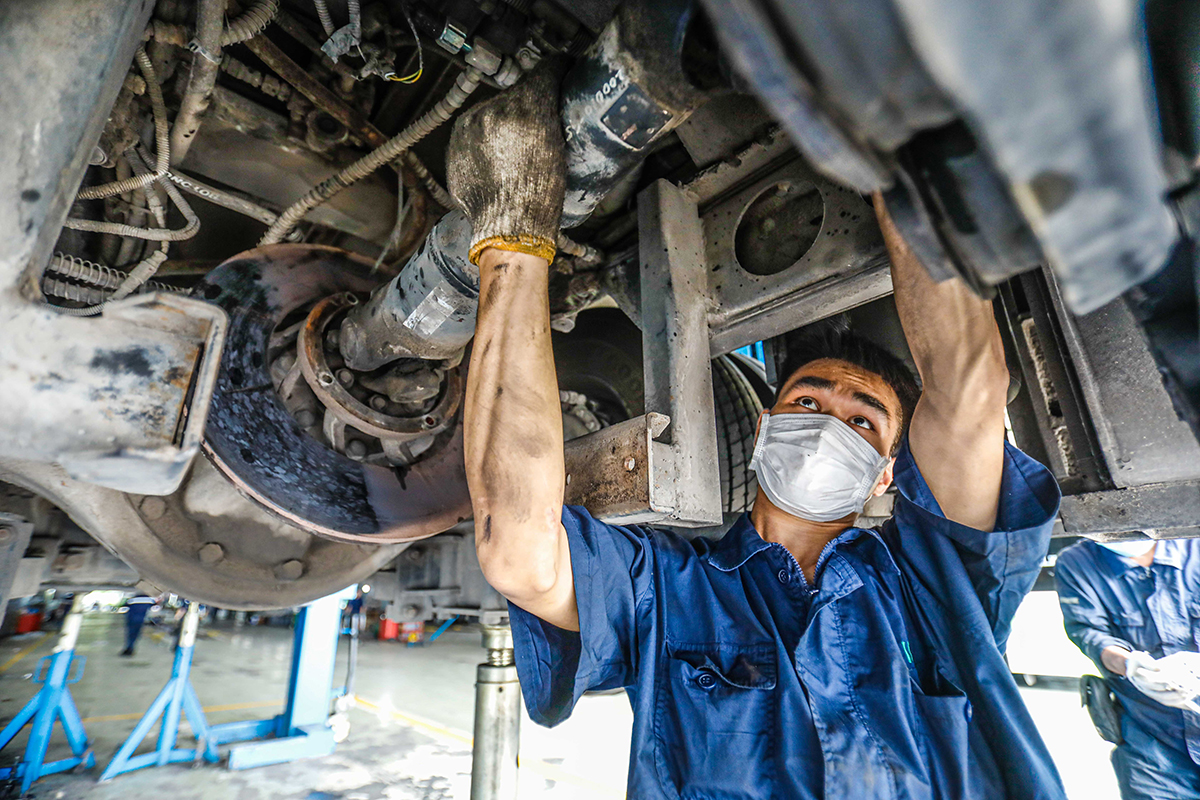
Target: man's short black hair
834, 339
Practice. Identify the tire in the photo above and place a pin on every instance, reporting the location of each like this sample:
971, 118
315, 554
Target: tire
602, 358
737, 408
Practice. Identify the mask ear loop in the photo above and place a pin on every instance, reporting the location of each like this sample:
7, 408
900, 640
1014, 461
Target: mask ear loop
759, 442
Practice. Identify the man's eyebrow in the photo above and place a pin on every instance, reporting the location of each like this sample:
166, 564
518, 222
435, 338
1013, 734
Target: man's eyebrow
873, 402
813, 382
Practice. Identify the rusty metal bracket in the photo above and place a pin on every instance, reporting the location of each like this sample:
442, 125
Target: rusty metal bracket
118, 400
661, 467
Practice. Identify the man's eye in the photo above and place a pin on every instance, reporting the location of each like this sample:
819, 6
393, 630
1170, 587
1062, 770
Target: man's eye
808, 402
862, 422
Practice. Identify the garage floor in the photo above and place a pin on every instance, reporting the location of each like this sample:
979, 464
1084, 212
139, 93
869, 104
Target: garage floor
410, 734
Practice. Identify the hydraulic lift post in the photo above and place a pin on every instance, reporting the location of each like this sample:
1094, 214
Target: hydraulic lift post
497, 719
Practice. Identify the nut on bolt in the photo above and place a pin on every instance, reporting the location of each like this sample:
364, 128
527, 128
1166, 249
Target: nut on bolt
210, 553
153, 507
345, 377
289, 570
356, 448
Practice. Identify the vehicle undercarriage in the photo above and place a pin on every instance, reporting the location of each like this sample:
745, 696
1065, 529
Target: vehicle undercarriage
235, 301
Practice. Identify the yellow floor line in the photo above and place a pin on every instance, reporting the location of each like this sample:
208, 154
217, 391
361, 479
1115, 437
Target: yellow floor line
207, 709
416, 722
545, 769
26, 651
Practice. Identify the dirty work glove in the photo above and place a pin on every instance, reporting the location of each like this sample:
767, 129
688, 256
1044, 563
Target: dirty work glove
1149, 677
505, 166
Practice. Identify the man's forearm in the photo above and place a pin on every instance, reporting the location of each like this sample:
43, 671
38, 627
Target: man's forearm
1114, 659
957, 430
513, 429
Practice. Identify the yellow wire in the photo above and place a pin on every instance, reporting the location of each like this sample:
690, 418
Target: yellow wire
413, 78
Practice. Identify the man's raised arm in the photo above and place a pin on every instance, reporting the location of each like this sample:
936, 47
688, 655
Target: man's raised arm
957, 431
505, 166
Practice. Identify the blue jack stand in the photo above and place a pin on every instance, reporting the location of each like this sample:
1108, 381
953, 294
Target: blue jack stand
303, 729
54, 701
176, 698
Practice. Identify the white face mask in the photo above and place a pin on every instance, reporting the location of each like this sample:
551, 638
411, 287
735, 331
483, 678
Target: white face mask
1138, 547
815, 466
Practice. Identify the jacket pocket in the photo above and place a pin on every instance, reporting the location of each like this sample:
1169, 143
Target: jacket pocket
714, 723
945, 720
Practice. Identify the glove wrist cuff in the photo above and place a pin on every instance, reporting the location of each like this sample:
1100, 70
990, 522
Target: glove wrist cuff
539, 246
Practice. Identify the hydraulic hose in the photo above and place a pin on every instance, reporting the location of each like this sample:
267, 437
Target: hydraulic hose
247, 25
161, 139
250, 23
145, 268
222, 198
393, 148
161, 234
106, 279
206, 63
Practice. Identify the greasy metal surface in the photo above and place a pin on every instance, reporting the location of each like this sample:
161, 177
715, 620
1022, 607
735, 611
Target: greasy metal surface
60, 80
162, 538
107, 397
1139, 431
1067, 123
255, 441
845, 267
675, 351
1155, 507
238, 151
334, 396
325, 99
609, 471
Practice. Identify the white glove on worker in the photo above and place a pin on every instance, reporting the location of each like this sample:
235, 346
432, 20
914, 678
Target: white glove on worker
1173, 680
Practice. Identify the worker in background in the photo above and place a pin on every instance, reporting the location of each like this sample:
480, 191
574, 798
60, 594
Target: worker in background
137, 607
799, 656
1133, 608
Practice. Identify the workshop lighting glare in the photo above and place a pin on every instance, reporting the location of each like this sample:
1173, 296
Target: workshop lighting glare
366, 588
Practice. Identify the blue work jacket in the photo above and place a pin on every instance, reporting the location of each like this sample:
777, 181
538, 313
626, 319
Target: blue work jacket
884, 679
1107, 599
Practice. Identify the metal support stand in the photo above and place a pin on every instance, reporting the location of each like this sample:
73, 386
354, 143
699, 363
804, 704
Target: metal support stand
54, 701
176, 699
303, 729
497, 719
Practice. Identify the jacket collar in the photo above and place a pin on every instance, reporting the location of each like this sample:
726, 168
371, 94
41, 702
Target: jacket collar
743, 541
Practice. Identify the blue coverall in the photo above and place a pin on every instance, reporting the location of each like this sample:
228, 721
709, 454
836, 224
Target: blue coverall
137, 607
882, 679
1108, 599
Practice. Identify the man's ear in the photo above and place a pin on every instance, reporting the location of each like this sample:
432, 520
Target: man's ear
885, 480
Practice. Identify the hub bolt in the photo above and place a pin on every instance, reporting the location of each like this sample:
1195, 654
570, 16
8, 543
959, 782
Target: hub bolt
356, 448
379, 402
306, 418
211, 553
346, 377
289, 570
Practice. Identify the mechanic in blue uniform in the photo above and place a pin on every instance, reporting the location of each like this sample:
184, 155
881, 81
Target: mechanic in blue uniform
1133, 608
136, 609
799, 656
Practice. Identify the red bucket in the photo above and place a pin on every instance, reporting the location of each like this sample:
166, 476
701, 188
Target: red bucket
29, 622
388, 628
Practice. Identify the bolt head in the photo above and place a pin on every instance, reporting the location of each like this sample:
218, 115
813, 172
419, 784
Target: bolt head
345, 377
153, 507
630, 463
356, 448
210, 553
306, 418
379, 402
289, 570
